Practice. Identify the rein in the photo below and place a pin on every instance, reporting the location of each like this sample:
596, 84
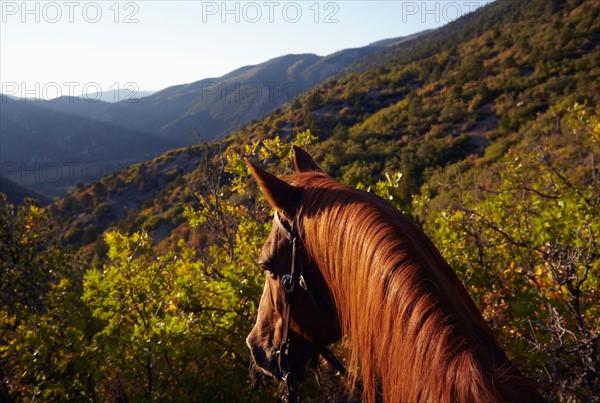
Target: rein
288, 283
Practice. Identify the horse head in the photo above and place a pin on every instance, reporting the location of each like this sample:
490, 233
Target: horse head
296, 318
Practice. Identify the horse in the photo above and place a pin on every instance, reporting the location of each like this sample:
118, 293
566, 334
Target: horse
341, 262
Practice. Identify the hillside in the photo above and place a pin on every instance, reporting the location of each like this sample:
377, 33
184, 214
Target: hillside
49, 151
16, 194
415, 116
486, 132
428, 104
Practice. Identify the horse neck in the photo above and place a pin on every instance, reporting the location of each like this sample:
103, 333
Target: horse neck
404, 329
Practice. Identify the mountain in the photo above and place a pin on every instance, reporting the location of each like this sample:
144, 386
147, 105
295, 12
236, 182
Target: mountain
16, 193
415, 107
120, 95
76, 135
212, 107
49, 151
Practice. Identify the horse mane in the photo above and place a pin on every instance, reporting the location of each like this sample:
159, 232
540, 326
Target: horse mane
412, 329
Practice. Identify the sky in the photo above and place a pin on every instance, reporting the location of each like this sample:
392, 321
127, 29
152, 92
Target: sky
54, 48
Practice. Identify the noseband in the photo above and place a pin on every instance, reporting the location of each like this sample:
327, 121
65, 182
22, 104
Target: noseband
288, 283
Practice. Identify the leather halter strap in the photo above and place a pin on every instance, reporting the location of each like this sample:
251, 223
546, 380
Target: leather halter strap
288, 283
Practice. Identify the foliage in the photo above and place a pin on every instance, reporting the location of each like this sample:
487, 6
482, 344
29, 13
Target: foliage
389, 189
171, 326
43, 327
525, 240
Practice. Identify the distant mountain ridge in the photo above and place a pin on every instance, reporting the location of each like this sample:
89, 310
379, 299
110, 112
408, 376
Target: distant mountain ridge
213, 107
16, 193
120, 95
115, 134
49, 150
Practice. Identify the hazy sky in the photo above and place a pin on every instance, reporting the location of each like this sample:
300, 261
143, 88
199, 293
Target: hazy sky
55, 48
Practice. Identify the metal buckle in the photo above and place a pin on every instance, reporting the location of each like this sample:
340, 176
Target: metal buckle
287, 283
302, 282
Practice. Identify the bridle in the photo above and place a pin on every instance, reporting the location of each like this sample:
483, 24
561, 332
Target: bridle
289, 280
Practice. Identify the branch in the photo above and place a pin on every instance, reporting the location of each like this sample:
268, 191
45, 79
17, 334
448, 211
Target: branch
509, 238
565, 180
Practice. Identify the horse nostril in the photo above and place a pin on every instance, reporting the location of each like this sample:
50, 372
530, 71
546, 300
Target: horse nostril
263, 263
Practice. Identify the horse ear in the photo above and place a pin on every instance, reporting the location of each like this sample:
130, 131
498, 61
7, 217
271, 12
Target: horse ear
280, 194
304, 162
